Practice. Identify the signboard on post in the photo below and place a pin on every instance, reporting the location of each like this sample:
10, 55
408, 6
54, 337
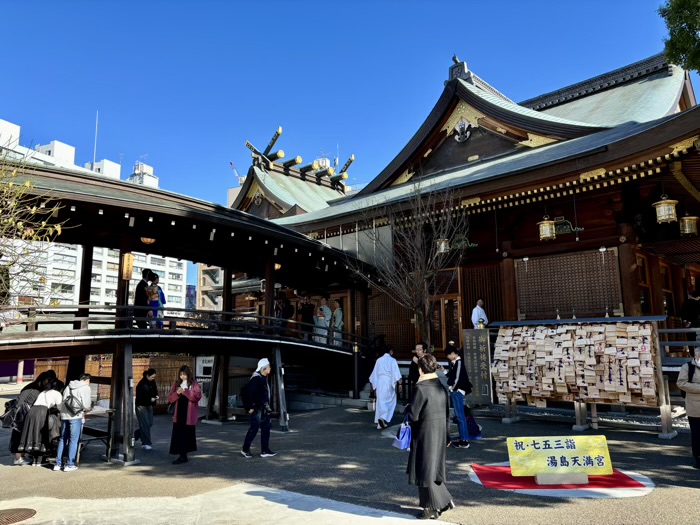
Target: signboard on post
477, 361
533, 456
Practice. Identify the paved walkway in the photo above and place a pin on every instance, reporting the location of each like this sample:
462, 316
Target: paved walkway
335, 467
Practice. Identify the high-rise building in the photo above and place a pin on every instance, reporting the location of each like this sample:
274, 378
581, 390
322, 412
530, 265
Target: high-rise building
58, 266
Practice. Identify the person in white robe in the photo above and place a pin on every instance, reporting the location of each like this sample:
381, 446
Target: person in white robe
322, 321
384, 377
479, 313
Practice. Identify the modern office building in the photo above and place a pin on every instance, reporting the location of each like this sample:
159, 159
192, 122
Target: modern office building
58, 266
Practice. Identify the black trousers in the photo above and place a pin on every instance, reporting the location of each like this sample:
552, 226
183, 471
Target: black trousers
694, 423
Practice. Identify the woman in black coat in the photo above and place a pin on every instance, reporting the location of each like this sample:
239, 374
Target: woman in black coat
429, 416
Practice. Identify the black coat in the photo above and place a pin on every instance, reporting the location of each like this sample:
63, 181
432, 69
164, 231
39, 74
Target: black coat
259, 391
429, 417
413, 373
145, 391
457, 377
140, 297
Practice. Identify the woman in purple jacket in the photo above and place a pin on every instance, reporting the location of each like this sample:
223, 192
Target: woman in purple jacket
186, 394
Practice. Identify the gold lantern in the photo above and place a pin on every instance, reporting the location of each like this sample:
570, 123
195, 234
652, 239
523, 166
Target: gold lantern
147, 240
547, 229
443, 245
665, 210
689, 225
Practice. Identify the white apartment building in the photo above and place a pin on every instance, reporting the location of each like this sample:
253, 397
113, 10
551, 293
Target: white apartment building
58, 267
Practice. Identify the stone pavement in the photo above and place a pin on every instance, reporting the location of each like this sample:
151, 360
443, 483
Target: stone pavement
335, 467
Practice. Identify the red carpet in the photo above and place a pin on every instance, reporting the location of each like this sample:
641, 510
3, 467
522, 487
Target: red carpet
500, 478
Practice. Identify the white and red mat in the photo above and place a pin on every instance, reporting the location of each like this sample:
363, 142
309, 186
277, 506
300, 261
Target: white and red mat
621, 484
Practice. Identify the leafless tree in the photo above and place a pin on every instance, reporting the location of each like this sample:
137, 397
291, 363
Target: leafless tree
412, 243
28, 224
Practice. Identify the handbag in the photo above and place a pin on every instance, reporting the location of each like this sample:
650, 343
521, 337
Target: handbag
402, 441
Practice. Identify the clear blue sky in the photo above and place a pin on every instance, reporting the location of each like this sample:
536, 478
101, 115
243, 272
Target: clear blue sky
187, 83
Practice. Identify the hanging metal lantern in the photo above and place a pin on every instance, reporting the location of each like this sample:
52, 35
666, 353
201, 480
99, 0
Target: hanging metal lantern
665, 210
443, 245
689, 225
547, 228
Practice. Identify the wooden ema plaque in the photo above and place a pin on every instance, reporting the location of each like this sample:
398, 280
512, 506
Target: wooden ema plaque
610, 363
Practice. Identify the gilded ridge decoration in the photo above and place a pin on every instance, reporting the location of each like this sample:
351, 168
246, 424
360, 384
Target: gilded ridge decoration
683, 145
588, 175
535, 141
463, 111
403, 178
471, 202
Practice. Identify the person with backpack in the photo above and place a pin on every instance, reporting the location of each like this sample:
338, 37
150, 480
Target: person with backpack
16, 414
689, 383
35, 433
256, 400
77, 400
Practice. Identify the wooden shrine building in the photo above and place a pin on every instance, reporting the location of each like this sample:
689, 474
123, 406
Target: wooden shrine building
562, 194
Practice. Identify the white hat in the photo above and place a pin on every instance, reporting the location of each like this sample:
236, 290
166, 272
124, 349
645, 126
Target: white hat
263, 363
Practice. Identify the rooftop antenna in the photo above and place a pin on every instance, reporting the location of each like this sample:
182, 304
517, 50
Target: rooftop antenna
336, 161
121, 157
94, 151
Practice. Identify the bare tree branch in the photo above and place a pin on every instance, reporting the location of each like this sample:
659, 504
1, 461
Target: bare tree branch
410, 246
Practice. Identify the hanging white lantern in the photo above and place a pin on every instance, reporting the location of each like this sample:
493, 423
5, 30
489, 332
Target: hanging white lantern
689, 225
665, 210
547, 229
443, 245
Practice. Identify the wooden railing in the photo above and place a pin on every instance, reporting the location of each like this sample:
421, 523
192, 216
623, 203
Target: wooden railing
111, 317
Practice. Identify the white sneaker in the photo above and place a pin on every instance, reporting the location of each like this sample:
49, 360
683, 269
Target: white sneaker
69, 469
57, 468
147, 447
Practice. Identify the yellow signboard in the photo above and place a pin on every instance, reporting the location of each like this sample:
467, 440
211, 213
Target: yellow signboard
530, 456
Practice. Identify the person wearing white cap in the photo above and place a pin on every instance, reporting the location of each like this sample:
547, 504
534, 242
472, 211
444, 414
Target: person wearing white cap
259, 395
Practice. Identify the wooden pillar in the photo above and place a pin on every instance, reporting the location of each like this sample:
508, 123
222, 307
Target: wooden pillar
123, 403
84, 286
223, 388
269, 290
657, 293
76, 367
214, 388
279, 379
228, 303
629, 280
123, 296
510, 290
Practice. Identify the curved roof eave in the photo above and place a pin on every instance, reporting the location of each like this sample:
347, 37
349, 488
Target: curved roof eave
502, 167
494, 106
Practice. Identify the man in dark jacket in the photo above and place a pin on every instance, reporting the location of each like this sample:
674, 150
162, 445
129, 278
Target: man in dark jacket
141, 299
459, 386
259, 395
306, 312
413, 373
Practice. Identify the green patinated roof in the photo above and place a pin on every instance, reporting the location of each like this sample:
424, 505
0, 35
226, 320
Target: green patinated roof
480, 172
288, 190
642, 100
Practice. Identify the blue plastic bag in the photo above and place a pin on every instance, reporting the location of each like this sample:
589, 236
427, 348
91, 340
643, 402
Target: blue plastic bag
402, 441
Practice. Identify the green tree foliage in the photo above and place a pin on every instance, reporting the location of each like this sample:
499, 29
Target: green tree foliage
683, 43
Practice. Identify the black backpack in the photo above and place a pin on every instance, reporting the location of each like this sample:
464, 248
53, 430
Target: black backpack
73, 404
691, 372
11, 409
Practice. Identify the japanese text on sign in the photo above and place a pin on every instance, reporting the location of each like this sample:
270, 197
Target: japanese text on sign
530, 456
